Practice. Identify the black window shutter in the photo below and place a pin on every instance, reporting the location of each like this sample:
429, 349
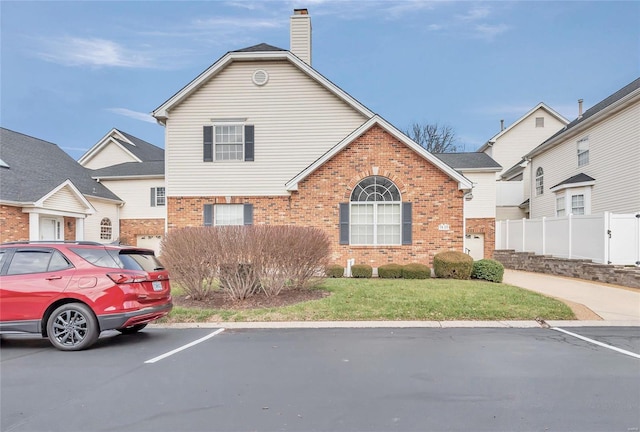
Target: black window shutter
406, 223
153, 197
248, 214
207, 144
344, 223
249, 143
208, 215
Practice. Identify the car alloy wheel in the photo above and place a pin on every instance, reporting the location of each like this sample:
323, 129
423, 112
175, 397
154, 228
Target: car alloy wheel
72, 327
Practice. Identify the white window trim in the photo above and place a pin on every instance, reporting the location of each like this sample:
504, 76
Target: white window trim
541, 177
164, 196
571, 191
228, 123
563, 198
375, 222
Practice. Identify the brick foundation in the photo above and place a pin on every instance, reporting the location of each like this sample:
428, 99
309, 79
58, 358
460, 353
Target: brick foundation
130, 229
581, 269
14, 225
434, 196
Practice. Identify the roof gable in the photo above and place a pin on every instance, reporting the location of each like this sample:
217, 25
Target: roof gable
541, 105
36, 167
67, 198
135, 148
260, 52
626, 95
463, 182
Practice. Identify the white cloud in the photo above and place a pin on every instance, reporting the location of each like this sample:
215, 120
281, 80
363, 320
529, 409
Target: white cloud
73, 51
217, 23
475, 14
489, 32
145, 117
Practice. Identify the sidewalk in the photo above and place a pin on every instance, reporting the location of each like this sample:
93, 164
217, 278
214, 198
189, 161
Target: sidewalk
611, 303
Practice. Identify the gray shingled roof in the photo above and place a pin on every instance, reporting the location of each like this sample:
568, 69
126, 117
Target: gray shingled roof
578, 178
36, 167
260, 47
143, 150
130, 169
624, 91
474, 160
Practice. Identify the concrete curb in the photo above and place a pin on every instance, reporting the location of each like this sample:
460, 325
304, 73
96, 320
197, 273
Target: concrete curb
394, 324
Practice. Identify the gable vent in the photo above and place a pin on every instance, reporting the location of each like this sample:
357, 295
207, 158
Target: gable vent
260, 77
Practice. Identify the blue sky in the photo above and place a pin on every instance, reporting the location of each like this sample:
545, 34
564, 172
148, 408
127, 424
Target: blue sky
71, 71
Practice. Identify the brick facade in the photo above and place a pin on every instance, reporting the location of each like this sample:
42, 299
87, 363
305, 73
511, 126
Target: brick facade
14, 225
486, 226
434, 196
130, 229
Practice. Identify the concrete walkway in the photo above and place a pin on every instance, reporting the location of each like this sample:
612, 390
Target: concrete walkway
610, 302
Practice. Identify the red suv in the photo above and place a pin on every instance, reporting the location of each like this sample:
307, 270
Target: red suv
71, 291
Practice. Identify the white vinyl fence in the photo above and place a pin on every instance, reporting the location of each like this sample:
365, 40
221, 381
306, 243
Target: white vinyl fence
605, 238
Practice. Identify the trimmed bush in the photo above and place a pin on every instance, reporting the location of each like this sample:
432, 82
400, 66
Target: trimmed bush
488, 269
416, 271
335, 271
361, 271
452, 265
390, 271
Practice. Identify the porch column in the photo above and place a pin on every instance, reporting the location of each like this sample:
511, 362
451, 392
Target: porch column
34, 226
79, 229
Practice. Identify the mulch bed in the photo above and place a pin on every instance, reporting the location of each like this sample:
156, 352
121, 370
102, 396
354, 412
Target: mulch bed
219, 300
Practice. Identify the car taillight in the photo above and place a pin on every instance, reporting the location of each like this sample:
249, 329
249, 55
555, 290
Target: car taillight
123, 278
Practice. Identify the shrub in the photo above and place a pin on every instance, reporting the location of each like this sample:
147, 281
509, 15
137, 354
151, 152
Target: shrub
187, 255
335, 271
416, 271
488, 269
361, 271
452, 265
246, 259
390, 271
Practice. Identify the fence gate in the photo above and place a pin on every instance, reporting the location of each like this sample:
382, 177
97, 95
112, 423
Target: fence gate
624, 239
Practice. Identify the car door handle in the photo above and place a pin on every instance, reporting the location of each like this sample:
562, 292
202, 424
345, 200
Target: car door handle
53, 277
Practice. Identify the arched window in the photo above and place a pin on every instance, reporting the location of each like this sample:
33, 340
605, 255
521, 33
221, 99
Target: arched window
375, 217
105, 229
539, 181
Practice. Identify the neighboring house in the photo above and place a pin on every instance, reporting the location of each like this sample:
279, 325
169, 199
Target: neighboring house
507, 148
261, 137
593, 164
46, 195
134, 170
480, 204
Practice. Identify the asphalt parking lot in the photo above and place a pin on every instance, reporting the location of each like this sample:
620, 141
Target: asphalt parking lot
452, 379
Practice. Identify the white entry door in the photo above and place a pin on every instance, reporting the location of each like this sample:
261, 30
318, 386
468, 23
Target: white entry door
51, 229
475, 244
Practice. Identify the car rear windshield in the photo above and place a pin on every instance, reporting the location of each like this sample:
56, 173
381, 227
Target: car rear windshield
129, 259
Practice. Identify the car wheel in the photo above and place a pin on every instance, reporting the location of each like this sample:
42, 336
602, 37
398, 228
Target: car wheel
131, 330
72, 327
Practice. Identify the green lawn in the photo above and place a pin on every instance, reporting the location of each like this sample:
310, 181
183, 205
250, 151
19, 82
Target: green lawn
399, 299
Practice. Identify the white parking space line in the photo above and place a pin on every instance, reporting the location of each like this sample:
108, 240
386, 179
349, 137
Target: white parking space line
184, 347
595, 342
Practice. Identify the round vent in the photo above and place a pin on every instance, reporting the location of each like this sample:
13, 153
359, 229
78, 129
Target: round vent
260, 77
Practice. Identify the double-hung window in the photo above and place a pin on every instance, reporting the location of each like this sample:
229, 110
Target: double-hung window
560, 205
158, 197
539, 181
583, 151
228, 214
577, 204
228, 142
375, 210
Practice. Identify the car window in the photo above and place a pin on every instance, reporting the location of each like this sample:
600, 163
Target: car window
37, 261
98, 257
139, 260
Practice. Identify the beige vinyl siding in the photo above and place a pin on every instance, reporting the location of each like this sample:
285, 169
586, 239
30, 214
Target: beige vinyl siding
300, 37
65, 200
614, 162
137, 197
109, 155
92, 222
296, 121
522, 138
483, 204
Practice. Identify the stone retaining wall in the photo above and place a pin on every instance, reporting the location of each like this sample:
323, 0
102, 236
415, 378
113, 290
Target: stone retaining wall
582, 269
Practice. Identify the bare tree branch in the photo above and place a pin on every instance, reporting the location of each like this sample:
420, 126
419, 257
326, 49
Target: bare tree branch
433, 137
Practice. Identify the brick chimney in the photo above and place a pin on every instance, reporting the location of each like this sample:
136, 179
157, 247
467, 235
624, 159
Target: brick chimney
300, 41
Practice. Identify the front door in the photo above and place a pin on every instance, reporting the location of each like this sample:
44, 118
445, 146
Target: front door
51, 229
